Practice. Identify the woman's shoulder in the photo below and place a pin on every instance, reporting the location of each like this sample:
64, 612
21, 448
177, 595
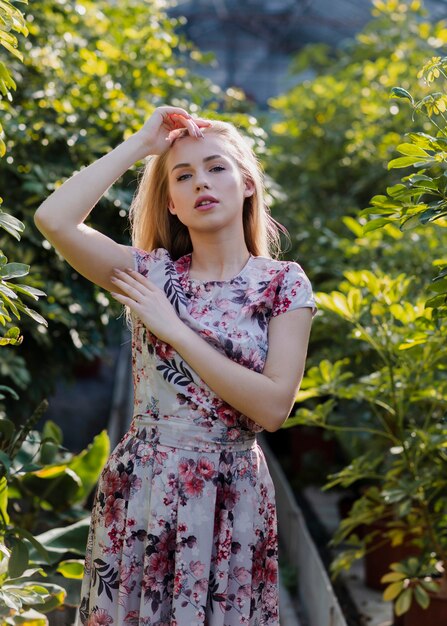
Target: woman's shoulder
143, 259
275, 267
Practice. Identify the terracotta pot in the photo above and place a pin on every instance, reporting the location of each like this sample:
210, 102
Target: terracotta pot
434, 615
378, 559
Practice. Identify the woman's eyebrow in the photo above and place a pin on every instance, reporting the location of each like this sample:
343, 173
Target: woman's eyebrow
208, 158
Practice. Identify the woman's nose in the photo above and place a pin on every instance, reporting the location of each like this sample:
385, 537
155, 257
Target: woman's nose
201, 184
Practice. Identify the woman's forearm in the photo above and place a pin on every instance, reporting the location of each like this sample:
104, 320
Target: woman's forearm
251, 393
73, 201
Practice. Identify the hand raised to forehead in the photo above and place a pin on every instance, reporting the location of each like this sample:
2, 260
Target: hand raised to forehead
166, 124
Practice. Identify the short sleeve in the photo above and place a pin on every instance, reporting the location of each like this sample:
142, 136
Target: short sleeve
143, 259
294, 291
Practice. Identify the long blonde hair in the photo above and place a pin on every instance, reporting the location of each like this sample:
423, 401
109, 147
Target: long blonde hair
153, 226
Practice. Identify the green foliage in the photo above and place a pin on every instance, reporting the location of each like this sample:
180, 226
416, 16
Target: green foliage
332, 134
408, 579
41, 484
394, 409
96, 72
420, 198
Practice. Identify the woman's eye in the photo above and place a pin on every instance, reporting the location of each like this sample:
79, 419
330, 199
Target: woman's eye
183, 177
217, 168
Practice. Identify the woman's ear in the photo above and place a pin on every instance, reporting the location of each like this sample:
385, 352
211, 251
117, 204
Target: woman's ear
249, 188
171, 207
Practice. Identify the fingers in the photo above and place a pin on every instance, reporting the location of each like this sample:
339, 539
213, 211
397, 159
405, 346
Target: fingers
201, 123
176, 121
128, 283
134, 279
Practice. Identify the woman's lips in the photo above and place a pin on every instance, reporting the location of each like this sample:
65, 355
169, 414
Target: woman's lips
207, 206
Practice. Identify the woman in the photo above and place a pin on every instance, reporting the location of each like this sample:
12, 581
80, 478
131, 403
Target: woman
183, 528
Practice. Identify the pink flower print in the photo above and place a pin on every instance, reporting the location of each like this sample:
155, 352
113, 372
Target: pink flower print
164, 351
167, 541
186, 468
244, 591
114, 512
233, 434
168, 499
241, 574
158, 566
197, 568
111, 482
270, 596
194, 485
271, 571
227, 415
132, 618
230, 496
206, 333
253, 360
205, 467
200, 586
182, 528
177, 584
285, 303
133, 485
100, 617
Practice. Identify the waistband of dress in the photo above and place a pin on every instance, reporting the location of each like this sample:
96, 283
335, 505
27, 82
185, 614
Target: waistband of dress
176, 432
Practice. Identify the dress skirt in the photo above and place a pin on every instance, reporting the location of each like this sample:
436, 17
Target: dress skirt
183, 531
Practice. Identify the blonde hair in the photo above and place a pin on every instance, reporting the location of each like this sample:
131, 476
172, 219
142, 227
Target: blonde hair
153, 226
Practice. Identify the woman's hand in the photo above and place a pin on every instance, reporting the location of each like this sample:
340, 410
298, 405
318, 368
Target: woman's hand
149, 303
163, 126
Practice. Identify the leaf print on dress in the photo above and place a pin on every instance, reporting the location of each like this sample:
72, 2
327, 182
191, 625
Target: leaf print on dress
107, 578
173, 288
177, 373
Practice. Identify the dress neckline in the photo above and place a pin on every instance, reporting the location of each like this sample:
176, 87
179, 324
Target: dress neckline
185, 264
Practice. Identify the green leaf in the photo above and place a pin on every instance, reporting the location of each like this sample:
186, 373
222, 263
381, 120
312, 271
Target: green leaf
410, 149
406, 161
11, 224
88, 464
410, 223
9, 293
52, 431
59, 541
392, 577
14, 270
18, 561
393, 590
71, 568
399, 92
4, 499
48, 452
374, 224
430, 585
29, 291
421, 596
22, 532
403, 602
34, 314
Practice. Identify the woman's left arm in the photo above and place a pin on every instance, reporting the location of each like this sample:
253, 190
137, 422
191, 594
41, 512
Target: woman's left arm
268, 397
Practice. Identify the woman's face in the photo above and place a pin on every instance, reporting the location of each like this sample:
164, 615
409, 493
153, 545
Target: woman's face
206, 187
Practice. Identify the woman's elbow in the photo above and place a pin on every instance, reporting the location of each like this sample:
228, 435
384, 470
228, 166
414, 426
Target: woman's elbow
43, 224
276, 418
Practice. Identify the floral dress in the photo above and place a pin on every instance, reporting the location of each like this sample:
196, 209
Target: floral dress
183, 529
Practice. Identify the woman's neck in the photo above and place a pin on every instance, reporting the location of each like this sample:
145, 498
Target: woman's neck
218, 260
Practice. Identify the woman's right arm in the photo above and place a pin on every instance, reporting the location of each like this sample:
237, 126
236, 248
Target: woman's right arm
60, 218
